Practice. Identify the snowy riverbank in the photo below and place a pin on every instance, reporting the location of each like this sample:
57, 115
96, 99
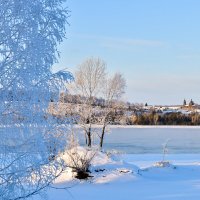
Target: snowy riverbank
144, 126
152, 126
134, 177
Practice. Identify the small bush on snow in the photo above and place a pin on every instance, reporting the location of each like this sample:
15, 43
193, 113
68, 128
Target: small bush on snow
79, 160
163, 162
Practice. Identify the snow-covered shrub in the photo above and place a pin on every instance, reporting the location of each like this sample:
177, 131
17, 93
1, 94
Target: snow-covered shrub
31, 138
79, 160
163, 162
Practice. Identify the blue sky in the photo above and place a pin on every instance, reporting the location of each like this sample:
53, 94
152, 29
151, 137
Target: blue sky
155, 44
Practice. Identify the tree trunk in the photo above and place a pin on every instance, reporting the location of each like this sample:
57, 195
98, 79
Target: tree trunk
86, 140
89, 138
102, 136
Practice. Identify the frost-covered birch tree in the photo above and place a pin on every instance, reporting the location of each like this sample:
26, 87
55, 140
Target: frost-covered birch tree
31, 140
89, 79
92, 81
113, 89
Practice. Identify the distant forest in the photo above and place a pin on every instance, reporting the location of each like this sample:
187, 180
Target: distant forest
167, 119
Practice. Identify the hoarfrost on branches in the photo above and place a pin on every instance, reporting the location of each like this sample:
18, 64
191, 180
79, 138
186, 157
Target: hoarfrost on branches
31, 140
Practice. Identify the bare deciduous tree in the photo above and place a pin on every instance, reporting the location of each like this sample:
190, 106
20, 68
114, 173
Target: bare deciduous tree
89, 79
92, 82
114, 88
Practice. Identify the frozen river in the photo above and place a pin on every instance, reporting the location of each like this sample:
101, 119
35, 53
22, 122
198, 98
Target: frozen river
140, 140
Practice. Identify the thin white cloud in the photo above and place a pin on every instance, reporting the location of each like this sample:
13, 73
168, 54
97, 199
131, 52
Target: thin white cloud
117, 42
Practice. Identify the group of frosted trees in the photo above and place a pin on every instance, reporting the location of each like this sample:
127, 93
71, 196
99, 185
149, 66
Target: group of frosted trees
91, 81
31, 139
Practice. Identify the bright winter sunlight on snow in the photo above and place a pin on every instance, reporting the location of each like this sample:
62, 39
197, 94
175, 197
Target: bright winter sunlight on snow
99, 100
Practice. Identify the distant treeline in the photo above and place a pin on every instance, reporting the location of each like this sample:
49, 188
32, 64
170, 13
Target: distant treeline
167, 119
126, 113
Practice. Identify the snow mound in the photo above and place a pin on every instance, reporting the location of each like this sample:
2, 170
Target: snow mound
102, 168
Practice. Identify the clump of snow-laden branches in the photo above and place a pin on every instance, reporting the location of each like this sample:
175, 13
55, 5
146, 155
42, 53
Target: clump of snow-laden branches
78, 158
31, 139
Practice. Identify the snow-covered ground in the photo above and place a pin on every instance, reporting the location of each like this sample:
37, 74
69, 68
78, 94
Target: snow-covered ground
133, 177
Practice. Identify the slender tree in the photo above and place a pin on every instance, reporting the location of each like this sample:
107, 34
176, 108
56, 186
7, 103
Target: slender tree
114, 88
89, 79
